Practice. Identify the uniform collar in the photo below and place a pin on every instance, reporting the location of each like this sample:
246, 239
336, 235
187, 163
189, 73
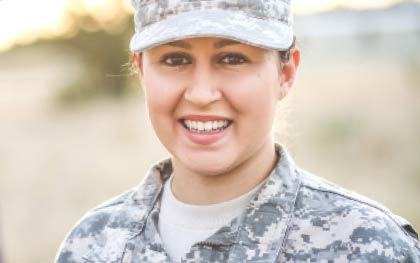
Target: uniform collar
129, 220
262, 227
256, 236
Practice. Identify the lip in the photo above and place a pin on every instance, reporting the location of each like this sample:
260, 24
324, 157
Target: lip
206, 137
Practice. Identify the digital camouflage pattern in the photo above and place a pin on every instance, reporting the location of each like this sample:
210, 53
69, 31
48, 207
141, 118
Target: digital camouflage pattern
263, 23
295, 217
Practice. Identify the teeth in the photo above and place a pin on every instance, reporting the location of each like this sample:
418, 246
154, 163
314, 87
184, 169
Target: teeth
205, 126
208, 125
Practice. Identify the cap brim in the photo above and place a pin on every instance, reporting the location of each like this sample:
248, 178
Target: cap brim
270, 34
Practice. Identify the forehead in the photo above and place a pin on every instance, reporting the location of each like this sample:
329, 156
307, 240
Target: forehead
215, 43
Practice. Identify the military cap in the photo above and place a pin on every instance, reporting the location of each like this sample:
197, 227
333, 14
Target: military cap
262, 23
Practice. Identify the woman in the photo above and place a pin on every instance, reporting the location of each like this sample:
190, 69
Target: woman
213, 73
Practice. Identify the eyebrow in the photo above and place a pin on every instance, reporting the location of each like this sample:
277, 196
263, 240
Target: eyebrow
217, 45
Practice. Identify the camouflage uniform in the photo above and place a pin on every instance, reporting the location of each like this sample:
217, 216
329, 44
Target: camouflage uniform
295, 217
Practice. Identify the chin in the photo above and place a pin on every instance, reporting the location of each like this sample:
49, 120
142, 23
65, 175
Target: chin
209, 166
210, 171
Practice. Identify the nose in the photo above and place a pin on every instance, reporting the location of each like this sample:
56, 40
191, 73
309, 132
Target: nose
203, 89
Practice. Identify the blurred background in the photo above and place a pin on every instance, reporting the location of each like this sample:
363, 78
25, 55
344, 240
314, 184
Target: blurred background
74, 132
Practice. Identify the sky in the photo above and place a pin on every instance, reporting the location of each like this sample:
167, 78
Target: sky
24, 21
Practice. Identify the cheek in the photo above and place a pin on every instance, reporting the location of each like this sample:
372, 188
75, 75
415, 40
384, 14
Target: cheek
161, 95
254, 95
161, 100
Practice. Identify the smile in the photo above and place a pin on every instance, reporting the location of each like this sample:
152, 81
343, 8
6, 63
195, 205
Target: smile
207, 126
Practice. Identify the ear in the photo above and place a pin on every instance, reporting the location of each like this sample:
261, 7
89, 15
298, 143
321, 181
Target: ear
137, 60
288, 72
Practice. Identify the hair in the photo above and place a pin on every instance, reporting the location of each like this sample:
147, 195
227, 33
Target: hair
285, 55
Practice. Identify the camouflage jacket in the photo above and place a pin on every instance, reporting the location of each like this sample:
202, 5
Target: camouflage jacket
295, 217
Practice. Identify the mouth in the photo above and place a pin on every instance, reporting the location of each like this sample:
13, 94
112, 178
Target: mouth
210, 126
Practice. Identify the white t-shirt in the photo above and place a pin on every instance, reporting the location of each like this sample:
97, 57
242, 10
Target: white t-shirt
182, 225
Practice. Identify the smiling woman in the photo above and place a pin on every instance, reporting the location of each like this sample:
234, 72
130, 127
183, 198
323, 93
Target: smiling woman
208, 80
213, 73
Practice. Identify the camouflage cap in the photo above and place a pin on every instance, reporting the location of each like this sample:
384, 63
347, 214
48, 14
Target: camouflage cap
262, 23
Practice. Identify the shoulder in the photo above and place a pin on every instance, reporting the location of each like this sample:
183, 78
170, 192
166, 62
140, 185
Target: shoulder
95, 227
340, 198
330, 222
102, 234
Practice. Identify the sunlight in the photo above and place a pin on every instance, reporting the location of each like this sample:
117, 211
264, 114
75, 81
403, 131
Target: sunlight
29, 20
94, 3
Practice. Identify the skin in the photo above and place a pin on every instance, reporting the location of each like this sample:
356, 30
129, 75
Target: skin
223, 78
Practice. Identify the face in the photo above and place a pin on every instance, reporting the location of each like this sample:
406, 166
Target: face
212, 101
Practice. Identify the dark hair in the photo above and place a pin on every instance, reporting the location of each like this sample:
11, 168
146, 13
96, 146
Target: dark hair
285, 55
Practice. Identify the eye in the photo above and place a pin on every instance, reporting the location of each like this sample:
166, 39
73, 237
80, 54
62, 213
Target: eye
233, 59
174, 60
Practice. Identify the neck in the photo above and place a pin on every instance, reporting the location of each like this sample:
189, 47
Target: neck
198, 189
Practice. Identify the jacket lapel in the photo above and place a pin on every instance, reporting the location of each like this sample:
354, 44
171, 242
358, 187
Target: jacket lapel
130, 220
259, 232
